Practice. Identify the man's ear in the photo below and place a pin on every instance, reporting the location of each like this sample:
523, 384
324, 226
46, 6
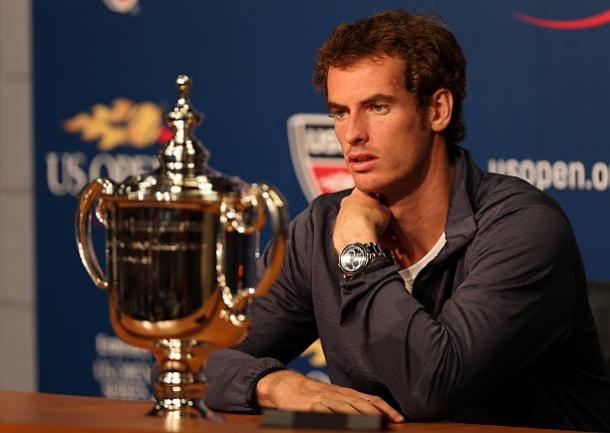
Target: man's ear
441, 107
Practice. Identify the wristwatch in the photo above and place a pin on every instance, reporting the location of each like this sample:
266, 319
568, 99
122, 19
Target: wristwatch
356, 256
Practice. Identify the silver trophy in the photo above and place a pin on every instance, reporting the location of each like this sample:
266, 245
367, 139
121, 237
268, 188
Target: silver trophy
180, 249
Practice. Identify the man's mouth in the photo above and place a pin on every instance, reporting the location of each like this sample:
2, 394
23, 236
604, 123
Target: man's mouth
361, 161
360, 157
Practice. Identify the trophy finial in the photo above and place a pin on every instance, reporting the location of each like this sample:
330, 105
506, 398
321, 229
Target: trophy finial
183, 84
183, 151
183, 118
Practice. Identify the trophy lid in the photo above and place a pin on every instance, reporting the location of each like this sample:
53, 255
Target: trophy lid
183, 173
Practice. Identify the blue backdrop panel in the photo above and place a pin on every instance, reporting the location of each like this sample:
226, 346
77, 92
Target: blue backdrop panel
535, 108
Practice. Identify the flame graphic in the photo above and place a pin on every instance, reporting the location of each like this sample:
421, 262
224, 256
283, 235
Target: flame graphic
124, 123
315, 354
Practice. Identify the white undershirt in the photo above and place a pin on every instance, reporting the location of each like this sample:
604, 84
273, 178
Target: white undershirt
409, 274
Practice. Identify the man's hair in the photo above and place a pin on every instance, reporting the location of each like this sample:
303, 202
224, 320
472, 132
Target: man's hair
432, 56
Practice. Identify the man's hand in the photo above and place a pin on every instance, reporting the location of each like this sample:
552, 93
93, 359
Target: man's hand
289, 390
362, 218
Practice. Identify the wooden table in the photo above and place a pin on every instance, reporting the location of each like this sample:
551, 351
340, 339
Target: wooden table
52, 413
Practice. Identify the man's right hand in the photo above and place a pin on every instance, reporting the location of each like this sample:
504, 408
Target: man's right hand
361, 218
289, 390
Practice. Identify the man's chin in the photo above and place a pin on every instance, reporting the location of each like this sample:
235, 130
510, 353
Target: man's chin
369, 187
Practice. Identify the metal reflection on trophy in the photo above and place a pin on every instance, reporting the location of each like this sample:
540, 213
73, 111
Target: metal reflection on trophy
180, 249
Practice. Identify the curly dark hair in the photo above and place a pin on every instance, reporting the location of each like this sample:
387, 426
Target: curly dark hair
432, 56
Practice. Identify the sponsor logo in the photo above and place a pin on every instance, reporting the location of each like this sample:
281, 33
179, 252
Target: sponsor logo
124, 123
316, 155
123, 6
558, 175
596, 20
69, 172
121, 124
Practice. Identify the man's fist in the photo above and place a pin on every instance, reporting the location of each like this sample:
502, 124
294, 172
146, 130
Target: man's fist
362, 218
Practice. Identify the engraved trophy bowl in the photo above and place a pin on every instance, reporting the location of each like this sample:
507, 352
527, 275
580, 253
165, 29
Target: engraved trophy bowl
181, 244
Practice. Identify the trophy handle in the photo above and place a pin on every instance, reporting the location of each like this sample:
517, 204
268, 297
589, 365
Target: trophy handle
260, 197
87, 197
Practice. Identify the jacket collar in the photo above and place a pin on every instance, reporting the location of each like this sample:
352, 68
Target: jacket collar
460, 226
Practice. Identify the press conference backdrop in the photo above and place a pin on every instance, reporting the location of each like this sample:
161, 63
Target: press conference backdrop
104, 72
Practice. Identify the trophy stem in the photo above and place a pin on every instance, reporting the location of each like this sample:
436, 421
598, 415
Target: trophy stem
178, 381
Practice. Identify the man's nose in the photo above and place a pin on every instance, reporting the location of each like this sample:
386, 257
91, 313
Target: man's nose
355, 130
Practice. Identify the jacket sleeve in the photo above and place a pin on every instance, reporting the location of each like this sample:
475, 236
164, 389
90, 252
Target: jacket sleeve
282, 326
512, 305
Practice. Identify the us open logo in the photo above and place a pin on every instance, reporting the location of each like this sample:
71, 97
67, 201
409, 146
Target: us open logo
316, 155
123, 123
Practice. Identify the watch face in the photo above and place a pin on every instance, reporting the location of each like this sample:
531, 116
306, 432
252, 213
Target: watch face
353, 258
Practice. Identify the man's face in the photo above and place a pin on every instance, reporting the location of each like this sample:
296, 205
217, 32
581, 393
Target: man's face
381, 132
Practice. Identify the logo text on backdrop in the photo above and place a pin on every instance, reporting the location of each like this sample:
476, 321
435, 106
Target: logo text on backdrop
123, 123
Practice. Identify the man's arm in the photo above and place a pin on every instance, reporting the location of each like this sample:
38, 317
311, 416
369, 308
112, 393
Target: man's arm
252, 374
282, 326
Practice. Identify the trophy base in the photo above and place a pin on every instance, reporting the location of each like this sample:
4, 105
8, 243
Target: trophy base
178, 381
177, 408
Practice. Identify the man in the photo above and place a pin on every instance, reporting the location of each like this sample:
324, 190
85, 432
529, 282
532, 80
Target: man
459, 295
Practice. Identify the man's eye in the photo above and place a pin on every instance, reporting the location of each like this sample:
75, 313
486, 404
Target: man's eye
379, 108
337, 114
